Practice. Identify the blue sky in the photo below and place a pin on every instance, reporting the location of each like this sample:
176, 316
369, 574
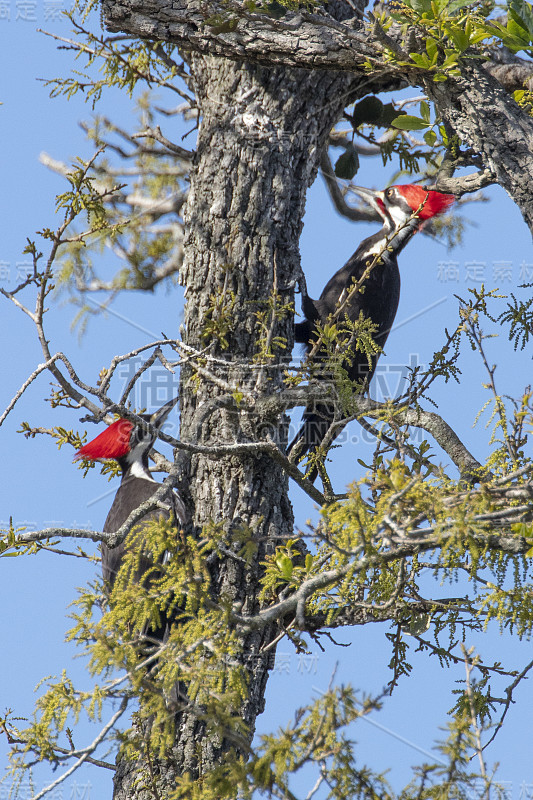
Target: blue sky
43, 487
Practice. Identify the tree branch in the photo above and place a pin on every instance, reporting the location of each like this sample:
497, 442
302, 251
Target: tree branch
513, 545
337, 197
306, 40
86, 753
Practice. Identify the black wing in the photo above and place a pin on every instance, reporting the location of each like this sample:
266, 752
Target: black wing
378, 302
131, 494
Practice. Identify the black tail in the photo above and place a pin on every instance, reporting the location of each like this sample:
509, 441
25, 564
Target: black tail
316, 423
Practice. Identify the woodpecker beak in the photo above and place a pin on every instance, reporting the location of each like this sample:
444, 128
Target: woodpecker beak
373, 198
159, 416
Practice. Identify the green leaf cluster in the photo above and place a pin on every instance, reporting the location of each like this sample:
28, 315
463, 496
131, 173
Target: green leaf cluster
274, 312
451, 30
219, 318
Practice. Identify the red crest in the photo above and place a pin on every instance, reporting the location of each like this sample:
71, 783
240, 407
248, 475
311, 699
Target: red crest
114, 442
434, 202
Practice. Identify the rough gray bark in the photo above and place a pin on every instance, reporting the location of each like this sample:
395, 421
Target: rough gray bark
510, 70
258, 150
476, 105
298, 40
259, 146
488, 119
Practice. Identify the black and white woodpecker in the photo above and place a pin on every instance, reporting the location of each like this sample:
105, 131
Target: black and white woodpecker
130, 446
403, 210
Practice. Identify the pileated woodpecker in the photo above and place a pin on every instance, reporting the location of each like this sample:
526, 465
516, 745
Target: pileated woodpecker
130, 446
403, 209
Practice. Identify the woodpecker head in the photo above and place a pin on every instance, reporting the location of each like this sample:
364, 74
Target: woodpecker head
397, 204
127, 443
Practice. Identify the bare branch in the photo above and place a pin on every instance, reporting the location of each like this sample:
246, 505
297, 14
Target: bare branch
155, 133
339, 201
86, 753
466, 183
27, 383
469, 666
509, 692
429, 421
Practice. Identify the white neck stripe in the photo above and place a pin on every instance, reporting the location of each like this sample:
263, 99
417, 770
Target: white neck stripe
138, 471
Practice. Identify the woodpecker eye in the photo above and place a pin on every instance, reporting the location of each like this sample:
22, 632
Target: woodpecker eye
389, 193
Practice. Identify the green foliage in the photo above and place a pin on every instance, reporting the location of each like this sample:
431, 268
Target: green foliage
12, 546
314, 740
283, 569
128, 229
409, 123
193, 656
367, 555
517, 34
219, 320
83, 197
519, 316
122, 64
274, 312
452, 775
453, 30
524, 98
356, 562
61, 702
370, 114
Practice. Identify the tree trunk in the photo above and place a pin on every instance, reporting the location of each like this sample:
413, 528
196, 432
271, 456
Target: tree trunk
259, 145
475, 104
489, 120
